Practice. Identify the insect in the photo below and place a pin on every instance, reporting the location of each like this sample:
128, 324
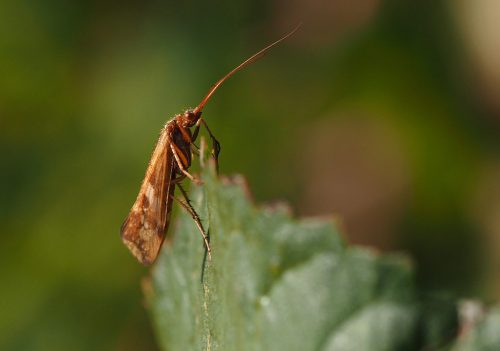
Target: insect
145, 227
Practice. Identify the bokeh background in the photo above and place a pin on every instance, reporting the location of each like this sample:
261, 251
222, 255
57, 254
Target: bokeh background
384, 113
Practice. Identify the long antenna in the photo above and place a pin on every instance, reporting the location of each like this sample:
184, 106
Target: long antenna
245, 63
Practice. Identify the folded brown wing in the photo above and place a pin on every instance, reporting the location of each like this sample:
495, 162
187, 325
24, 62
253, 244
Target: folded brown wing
144, 230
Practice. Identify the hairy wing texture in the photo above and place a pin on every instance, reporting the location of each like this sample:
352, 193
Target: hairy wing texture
144, 229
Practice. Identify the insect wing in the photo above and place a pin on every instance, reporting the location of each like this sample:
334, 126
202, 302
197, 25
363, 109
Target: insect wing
144, 229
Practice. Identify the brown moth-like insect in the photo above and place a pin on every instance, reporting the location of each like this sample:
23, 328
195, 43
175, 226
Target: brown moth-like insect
144, 229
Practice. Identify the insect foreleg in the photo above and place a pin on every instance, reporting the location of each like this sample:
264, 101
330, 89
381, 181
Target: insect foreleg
195, 150
215, 143
181, 166
196, 130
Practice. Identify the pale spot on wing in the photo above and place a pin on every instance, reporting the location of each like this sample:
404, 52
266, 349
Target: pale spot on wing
150, 193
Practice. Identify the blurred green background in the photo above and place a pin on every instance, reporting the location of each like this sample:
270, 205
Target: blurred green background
383, 113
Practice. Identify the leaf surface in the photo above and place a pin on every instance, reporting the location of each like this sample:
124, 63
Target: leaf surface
277, 283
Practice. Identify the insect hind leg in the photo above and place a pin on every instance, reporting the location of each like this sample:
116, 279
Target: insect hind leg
188, 207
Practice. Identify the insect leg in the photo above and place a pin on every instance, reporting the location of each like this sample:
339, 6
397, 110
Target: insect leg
195, 150
181, 166
215, 142
196, 130
178, 179
188, 207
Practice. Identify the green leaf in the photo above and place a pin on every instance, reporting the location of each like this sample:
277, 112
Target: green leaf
277, 283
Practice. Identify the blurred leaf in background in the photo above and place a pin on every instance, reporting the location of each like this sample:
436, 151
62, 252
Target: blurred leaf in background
389, 106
